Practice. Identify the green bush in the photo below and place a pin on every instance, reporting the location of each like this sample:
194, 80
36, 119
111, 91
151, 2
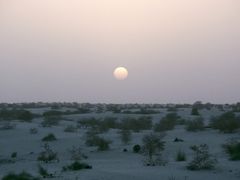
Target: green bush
95, 140
76, 166
226, 123
136, 148
152, 147
50, 121
125, 136
181, 156
21, 176
167, 123
233, 149
44, 172
202, 159
47, 155
70, 128
49, 137
195, 111
195, 125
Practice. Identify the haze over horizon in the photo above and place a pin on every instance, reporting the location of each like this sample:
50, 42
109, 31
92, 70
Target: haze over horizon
66, 50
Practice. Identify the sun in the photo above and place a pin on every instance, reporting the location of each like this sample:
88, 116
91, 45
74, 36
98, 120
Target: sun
120, 73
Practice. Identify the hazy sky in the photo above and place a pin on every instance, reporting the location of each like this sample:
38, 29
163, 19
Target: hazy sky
66, 50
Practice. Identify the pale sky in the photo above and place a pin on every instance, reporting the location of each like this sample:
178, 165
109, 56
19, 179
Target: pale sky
176, 51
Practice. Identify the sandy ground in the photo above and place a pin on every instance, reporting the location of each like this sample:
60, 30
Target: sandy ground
115, 164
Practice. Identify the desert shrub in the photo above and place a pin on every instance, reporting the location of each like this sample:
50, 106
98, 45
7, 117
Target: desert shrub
152, 147
195, 112
50, 121
167, 123
21, 176
49, 137
52, 113
101, 143
70, 128
136, 148
33, 131
77, 154
14, 155
226, 123
44, 172
202, 159
76, 166
47, 155
7, 126
19, 114
195, 125
233, 149
90, 122
125, 136
181, 156
141, 123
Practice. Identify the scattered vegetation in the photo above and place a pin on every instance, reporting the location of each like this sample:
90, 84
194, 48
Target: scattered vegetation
136, 148
167, 123
195, 112
202, 159
126, 136
233, 149
49, 137
16, 114
95, 140
152, 147
226, 123
44, 172
195, 125
33, 131
70, 128
181, 156
48, 155
21, 176
7, 125
136, 124
50, 121
76, 166
77, 154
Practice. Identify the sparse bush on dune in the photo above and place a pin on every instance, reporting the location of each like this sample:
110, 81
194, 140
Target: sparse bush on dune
50, 121
48, 155
181, 156
77, 154
136, 124
7, 125
49, 137
33, 131
44, 172
152, 147
16, 114
195, 125
76, 166
201, 159
233, 149
21, 176
70, 128
226, 123
167, 123
95, 140
136, 148
125, 136
195, 112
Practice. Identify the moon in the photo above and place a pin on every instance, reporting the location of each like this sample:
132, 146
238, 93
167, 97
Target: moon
120, 73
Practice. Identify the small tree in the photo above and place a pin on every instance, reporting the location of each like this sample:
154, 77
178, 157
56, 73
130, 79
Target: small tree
125, 136
201, 159
152, 147
195, 111
195, 125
